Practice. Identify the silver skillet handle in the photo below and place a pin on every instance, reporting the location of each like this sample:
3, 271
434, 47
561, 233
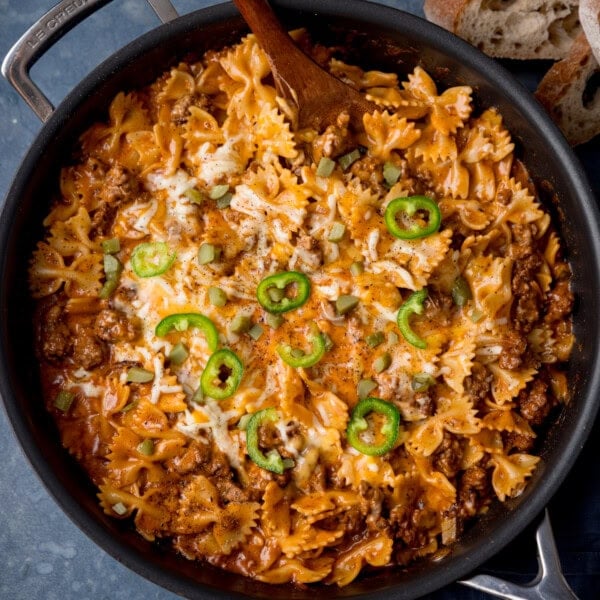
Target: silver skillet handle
549, 584
43, 34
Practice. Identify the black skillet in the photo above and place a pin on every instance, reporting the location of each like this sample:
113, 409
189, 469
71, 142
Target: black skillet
374, 36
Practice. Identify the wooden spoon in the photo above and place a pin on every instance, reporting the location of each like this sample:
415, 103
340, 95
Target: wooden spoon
319, 96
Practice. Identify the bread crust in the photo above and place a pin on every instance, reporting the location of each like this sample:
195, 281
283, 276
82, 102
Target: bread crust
561, 93
445, 14
589, 15
521, 29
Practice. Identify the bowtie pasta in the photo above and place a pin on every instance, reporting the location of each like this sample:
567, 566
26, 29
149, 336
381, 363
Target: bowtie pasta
295, 353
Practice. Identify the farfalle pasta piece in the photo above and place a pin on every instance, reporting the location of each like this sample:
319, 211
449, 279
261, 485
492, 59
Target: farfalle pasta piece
502, 145
331, 409
357, 207
478, 145
484, 244
76, 191
450, 110
507, 420
487, 441
110, 497
362, 79
169, 140
234, 524
458, 416
482, 180
375, 551
436, 147
297, 571
126, 462
490, 282
71, 237
86, 272
470, 212
306, 538
145, 152
321, 502
48, 273
181, 83
145, 419
201, 127
387, 132
441, 493
399, 101
126, 115
455, 363
449, 177
511, 472
542, 343
247, 65
420, 85
552, 249
115, 396
200, 492
275, 517
420, 257
508, 383
522, 208
273, 137
354, 469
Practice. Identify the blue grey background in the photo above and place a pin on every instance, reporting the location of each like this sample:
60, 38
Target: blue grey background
42, 554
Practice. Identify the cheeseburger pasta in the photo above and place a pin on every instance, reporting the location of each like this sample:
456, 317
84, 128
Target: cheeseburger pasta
300, 354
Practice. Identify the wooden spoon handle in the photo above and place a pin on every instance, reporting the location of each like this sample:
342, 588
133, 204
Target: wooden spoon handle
291, 68
318, 95
264, 24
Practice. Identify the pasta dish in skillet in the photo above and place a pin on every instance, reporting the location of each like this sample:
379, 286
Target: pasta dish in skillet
300, 354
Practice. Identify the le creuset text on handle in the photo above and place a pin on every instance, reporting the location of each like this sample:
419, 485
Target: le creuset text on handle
43, 34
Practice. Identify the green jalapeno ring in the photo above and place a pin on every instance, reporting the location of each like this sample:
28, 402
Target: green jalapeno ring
414, 304
358, 425
183, 321
297, 358
271, 291
151, 258
271, 461
219, 361
410, 205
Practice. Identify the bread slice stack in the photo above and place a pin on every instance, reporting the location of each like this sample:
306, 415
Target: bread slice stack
567, 31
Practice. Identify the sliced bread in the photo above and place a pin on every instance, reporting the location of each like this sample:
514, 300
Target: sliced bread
522, 29
570, 92
589, 15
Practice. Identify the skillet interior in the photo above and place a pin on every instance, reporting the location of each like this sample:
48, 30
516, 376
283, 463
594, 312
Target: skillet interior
389, 40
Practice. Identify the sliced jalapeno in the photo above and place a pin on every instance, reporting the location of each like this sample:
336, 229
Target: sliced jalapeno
274, 292
414, 304
222, 375
271, 461
412, 227
151, 258
297, 358
381, 441
183, 321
